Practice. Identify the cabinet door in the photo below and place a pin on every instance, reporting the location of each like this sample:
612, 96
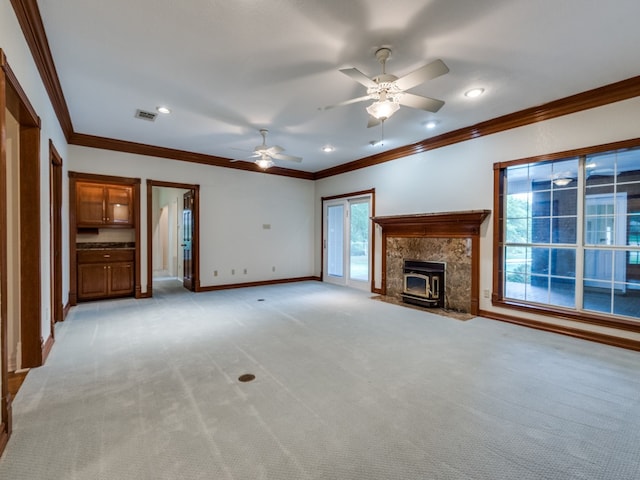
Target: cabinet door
89, 204
120, 278
118, 205
92, 281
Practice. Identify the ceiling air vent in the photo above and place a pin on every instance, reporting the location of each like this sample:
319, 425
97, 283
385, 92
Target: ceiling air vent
144, 115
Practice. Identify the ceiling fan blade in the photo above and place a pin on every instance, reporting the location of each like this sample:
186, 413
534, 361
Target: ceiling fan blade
358, 76
373, 121
421, 103
422, 74
282, 156
349, 102
274, 150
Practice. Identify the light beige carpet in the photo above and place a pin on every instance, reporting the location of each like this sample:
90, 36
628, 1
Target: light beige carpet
345, 388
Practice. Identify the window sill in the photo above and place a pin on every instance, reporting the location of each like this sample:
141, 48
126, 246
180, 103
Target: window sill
619, 323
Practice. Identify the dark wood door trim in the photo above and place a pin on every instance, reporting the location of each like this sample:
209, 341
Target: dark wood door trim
55, 242
14, 100
17, 102
30, 270
5, 413
196, 230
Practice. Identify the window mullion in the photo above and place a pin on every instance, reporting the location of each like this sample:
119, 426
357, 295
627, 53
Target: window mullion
580, 232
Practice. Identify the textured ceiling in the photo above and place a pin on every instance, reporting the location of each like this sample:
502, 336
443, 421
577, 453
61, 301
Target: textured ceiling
229, 68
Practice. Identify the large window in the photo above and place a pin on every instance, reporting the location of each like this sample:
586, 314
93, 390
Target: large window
570, 234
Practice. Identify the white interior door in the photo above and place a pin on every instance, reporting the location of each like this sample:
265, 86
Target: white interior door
346, 242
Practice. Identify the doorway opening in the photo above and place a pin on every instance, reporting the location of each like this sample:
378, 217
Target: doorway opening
172, 236
347, 240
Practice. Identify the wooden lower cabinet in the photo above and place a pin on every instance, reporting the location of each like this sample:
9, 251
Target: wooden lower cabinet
105, 274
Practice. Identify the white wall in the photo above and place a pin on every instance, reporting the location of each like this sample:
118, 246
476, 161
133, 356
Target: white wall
460, 176
234, 206
19, 58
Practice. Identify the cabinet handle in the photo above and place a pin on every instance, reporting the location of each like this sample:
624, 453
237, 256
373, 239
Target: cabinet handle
105, 267
106, 255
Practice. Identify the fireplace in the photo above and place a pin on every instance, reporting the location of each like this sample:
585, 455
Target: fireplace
450, 238
424, 283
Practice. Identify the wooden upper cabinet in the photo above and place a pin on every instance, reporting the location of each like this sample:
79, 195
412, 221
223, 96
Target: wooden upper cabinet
103, 205
89, 204
118, 205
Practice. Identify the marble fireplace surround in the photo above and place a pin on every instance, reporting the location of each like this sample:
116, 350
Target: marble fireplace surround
451, 237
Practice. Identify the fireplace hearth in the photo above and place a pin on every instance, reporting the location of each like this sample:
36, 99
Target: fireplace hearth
424, 283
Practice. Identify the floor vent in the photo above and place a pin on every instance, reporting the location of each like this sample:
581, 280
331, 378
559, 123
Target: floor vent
144, 115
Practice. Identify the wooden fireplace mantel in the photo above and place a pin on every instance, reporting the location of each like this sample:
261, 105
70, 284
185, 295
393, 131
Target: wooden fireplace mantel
462, 224
451, 224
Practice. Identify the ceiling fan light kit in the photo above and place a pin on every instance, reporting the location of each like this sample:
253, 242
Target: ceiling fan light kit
384, 107
264, 163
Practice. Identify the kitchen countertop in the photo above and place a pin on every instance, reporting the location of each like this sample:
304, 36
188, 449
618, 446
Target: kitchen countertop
105, 246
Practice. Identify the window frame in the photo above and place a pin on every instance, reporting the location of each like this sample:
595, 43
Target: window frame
498, 299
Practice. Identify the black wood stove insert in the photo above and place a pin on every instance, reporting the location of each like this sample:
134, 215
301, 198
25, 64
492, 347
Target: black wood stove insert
424, 283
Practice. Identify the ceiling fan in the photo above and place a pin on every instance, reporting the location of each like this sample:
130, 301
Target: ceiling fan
265, 155
389, 91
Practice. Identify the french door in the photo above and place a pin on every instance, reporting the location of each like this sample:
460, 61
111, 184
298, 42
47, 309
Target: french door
346, 241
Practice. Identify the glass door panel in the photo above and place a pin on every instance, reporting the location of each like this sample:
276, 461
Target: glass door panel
335, 240
359, 240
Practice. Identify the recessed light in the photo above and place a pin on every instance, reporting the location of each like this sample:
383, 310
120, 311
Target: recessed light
431, 124
164, 110
474, 92
328, 149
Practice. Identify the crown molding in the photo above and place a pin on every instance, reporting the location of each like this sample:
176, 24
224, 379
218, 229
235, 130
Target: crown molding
30, 21
104, 143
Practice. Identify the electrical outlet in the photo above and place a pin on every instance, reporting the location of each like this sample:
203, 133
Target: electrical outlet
266, 226
273, 269
215, 273
486, 293
233, 272
245, 271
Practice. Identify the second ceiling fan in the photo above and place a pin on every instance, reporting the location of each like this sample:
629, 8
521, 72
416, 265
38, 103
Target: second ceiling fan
265, 154
389, 91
